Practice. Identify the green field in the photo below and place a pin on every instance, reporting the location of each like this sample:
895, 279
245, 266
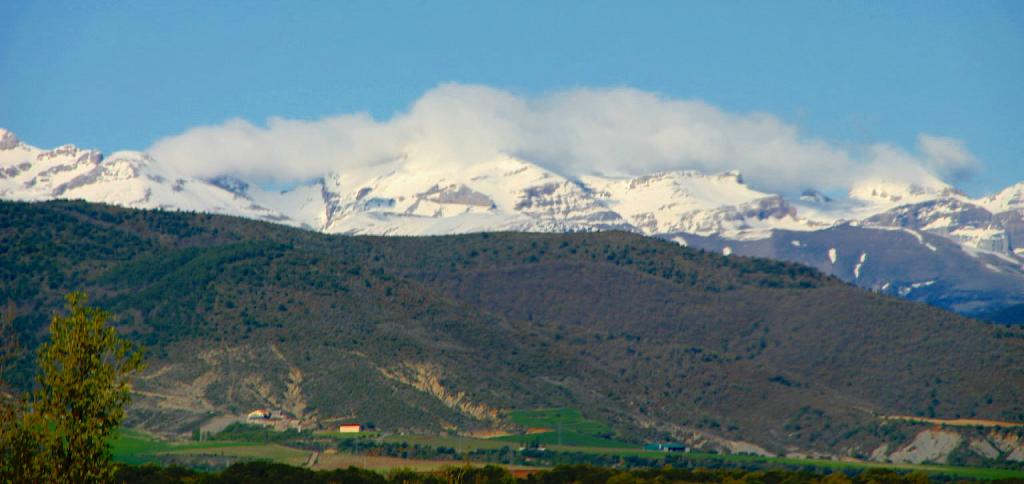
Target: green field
565, 426
136, 447
569, 419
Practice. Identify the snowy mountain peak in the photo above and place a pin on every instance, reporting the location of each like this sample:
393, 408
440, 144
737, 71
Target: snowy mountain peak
691, 201
415, 197
69, 151
679, 177
125, 178
892, 192
8, 140
1011, 198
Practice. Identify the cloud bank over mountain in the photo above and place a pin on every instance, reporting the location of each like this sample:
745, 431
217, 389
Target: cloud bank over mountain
615, 131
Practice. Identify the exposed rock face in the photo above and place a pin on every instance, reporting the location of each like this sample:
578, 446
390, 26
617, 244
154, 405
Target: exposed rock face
740, 447
928, 446
459, 195
984, 448
231, 184
1009, 443
427, 378
881, 453
935, 446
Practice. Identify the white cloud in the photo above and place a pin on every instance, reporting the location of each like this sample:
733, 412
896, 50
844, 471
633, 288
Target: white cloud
617, 131
948, 157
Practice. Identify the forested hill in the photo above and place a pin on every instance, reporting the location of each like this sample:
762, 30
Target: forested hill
451, 332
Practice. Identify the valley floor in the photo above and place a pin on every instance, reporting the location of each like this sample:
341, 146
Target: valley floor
136, 447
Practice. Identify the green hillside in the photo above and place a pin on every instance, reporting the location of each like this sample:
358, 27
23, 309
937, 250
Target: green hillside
455, 333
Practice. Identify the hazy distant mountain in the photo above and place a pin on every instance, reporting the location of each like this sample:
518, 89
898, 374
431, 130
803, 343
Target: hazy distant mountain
947, 248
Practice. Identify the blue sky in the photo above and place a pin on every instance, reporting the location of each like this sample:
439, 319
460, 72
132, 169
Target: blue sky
122, 75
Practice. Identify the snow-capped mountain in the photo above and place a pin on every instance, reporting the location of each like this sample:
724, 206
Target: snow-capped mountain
1011, 198
421, 194
419, 197
125, 178
692, 202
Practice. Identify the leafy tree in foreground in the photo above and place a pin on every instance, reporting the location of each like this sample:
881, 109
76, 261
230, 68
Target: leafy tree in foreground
62, 434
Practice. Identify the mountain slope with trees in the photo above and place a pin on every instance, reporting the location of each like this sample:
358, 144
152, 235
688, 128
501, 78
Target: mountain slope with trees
436, 333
